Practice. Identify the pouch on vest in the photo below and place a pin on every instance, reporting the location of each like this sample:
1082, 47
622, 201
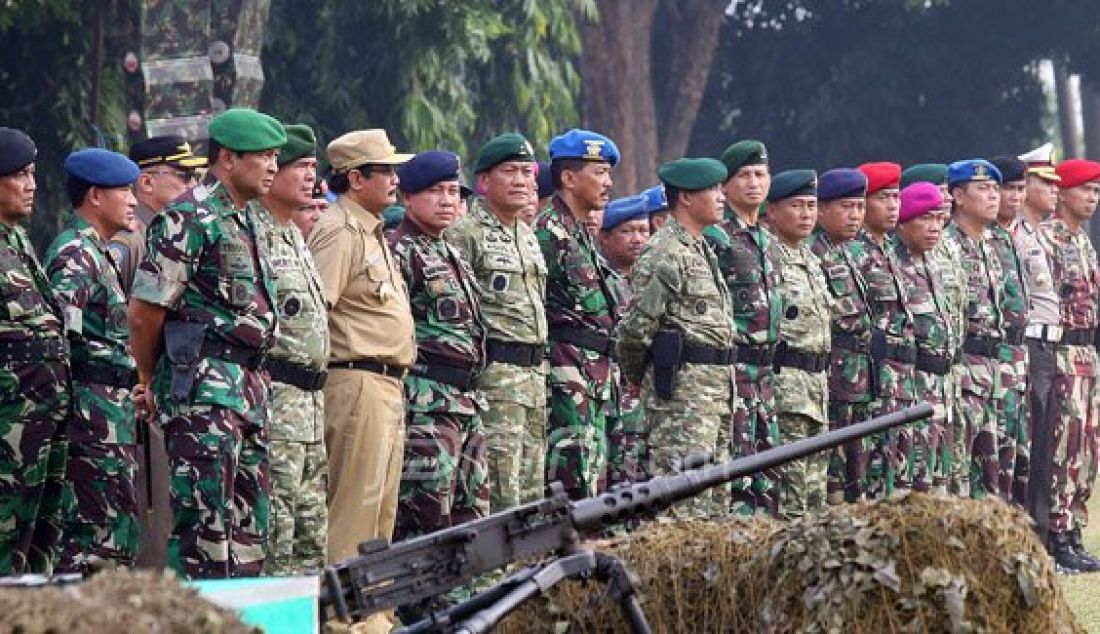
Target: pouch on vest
183, 342
666, 351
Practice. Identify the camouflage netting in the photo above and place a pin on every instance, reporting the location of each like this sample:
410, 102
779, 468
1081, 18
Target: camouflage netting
914, 564
135, 602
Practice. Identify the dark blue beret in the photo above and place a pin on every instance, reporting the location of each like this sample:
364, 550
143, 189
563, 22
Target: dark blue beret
584, 145
16, 150
1011, 168
101, 168
841, 183
655, 199
972, 170
625, 209
426, 169
792, 183
545, 180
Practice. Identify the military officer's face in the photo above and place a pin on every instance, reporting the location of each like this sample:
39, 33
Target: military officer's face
623, 244
1012, 198
882, 210
922, 234
252, 173
307, 215
978, 199
1079, 203
17, 195
507, 186
435, 208
293, 184
1041, 195
590, 185
374, 187
159, 185
748, 187
113, 206
706, 206
842, 218
793, 218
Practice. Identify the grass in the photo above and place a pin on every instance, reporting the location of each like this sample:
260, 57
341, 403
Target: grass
1083, 591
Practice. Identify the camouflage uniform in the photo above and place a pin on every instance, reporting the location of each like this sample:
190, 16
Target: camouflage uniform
678, 287
927, 302
749, 259
580, 313
801, 384
850, 367
1012, 448
445, 480
128, 247
299, 465
511, 276
984, 335
945, 262
34, 405
1077, 278
627, 431
208, 263
101, 501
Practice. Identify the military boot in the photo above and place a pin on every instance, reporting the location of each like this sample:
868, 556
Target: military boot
1078, 546
1065, 557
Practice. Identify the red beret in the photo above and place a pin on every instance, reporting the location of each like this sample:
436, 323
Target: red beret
881, 176
1076, 172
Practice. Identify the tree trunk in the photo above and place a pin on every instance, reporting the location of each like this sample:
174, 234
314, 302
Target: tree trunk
1067, 119
1090, 114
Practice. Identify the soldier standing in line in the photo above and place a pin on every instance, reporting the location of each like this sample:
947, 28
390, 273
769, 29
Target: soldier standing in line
920, 226
657, 203
306, 216
749, 259
840, 194
101, 502
581, 311
505, 257
802, 359
445, 480
676, 339
299, 465
975, 188
34, 370
1074, 442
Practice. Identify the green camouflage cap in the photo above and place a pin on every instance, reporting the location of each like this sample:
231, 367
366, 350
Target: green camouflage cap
510, 146
742, 153
300, 143
692, 174
245, 130
935, 173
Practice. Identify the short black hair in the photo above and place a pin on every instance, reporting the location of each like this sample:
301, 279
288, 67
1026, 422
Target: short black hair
672, 195
76, 189
558, 166
338, 183
212, 148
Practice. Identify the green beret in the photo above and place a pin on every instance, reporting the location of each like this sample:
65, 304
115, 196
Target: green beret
692, 174
742, 153
935, 173
245, 130
511, 146
792, 183
300, 144
392, 216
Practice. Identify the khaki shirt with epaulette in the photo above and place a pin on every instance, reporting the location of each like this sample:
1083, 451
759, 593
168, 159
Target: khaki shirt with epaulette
128, 247
369, 315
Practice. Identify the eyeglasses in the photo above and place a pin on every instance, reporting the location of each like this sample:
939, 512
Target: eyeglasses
186, 176
367, 170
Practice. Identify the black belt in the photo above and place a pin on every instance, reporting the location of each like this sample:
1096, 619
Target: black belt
988, 347
250, 358
584, 338
370, 365
300, 376
762, 355
464, 379
103, 374
1015, 336
1078, 337
852, 343
26, 350
805, 361
525, 355
936, 364
707, 355
901, 352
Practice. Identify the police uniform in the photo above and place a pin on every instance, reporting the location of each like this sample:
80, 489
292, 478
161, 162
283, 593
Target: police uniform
372, 346
208, 265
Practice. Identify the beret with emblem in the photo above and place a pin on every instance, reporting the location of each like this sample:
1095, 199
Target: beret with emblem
169, 150
17, 150
692, 174
584, 145
101, 168
919, 199
300, 143
1076, 172
969, 170
363, 147
742, 153
1011, 168
881, 175
935, 173
426, 169
655, 199
625, 209
840, 183
245, 130
510, 146
792, 183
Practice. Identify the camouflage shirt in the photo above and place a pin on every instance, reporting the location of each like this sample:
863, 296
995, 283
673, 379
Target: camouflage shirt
28, 308
981, 274
208, 262
807, 317
447, 313
890, 315
926, 301
1077, 280
945, 261
579, 296
1014, 309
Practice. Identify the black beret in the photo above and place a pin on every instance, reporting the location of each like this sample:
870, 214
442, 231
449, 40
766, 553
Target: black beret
16, 151
1012, 168
426, 169
793, 183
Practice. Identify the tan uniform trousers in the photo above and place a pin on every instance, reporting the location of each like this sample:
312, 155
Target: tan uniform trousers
365, 436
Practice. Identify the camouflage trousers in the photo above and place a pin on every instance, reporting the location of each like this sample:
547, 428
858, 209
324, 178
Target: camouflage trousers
627, 439
515, 439
755, 429
680, 429
34, 405
220, 492
801, 482
299, 511
847, 466
576, 440
1012, 448
985, 432
958, 482
1074, 445
938, 430
445, 480
912, 455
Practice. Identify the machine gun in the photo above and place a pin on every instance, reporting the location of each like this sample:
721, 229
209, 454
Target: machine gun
384, 577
